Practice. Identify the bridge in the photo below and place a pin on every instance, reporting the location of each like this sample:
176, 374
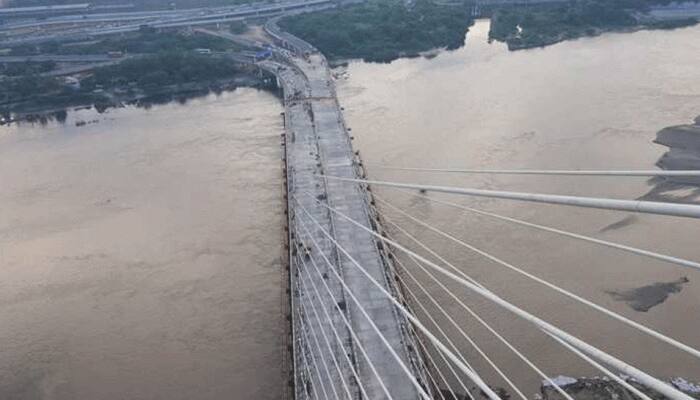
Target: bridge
360, 339
362, 322
366, 296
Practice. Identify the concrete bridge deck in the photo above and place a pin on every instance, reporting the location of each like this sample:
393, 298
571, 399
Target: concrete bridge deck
317, 141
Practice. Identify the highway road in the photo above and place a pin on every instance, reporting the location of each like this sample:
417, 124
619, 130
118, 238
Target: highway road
165, 19
165, 15
287, 40
88, 58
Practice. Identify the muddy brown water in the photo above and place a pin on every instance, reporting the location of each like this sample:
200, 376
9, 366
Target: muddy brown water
140, 255
594, 103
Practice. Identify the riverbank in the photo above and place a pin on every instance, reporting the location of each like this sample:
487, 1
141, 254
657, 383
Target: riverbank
540, 26
174, 93
143, 81
147, 64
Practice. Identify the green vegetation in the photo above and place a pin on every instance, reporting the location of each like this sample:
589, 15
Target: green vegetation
381, 30
238, 27
146, 41
162, 73
526, 27
154, 72
167, 65
40, 92
26, 68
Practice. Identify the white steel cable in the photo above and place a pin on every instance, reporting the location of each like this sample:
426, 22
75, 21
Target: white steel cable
304, 357
471, 311
362, 310
335, 333
442, 332
430, 374
429, 315
573, 172
648, 207
568, 346
459, 329
630, 249
307, 368
612, 314
642, 377
347, 324
471, 374
606, 371
305, 328
323, 359
328, 346
318, 371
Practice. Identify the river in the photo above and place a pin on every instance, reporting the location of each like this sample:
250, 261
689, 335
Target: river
593, 103
140, 254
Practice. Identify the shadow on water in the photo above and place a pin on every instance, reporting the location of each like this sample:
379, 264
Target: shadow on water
644, 298
683, 142
623, 223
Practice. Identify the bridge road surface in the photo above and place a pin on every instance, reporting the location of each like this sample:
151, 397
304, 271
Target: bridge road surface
317, 142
